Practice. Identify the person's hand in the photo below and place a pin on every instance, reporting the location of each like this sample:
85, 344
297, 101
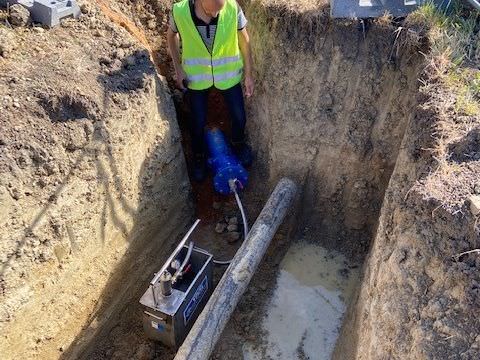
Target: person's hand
181, 79
249, 85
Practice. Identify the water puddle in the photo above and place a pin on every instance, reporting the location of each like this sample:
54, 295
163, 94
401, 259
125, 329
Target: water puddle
305, 312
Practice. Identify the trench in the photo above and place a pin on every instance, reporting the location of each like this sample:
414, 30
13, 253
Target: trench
330, 111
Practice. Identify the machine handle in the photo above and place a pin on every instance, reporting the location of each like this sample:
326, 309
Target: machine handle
179, 247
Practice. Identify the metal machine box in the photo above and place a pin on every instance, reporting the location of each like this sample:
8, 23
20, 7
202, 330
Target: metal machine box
168, 319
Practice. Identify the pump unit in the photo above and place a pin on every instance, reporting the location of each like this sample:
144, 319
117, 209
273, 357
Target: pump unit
178, 293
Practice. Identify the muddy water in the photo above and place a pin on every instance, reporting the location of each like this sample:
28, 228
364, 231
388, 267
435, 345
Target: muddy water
304, 315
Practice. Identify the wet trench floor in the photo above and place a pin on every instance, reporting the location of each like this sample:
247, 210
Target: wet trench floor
304, 314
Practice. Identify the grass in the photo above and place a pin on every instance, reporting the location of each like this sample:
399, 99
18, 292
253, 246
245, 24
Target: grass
454, 50
452, 80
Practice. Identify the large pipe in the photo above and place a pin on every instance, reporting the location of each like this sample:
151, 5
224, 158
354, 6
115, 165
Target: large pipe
206, 331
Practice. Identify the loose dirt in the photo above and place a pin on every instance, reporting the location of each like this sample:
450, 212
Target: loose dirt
95, 190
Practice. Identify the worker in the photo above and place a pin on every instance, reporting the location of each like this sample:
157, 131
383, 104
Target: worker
215, 53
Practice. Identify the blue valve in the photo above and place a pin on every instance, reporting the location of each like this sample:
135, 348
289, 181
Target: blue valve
224, 164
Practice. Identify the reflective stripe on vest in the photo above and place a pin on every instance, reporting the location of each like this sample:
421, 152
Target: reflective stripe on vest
208, 62
217, 78
224, 66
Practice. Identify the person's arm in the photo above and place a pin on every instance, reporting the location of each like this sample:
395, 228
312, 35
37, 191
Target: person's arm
245, 49
173, 40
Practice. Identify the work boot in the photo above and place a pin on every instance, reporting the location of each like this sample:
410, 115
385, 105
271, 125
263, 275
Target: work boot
199, 172
243, 153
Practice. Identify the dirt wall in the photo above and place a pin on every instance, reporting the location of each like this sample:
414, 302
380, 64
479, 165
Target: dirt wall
93, 182
338, 110
419, 296
330, 111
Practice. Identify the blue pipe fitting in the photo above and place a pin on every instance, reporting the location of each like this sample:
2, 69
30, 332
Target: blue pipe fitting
223, 162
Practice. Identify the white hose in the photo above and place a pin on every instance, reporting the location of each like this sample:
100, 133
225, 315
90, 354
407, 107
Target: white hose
244, 219
184, 263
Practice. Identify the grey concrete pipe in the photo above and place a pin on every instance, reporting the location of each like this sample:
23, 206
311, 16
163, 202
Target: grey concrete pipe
203, 336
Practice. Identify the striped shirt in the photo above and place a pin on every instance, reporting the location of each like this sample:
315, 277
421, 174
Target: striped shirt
207, 31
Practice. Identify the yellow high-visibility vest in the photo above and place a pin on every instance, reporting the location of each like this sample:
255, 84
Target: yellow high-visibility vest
223, 68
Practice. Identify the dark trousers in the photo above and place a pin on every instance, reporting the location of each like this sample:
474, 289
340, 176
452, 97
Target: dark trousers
199, 107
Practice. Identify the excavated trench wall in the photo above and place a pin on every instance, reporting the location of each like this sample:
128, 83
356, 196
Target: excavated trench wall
342, 113
417, 297
334, 109
330, 111
94, 184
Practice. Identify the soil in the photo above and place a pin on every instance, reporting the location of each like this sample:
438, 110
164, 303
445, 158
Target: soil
96, 193
92, 171
419, 294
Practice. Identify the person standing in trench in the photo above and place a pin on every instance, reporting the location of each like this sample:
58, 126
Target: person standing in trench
215, 53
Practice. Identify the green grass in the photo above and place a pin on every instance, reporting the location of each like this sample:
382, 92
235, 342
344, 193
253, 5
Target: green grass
454, 50
451, 33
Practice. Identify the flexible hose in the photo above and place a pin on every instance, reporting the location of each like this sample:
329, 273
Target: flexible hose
242, 211
184, 263
244, 219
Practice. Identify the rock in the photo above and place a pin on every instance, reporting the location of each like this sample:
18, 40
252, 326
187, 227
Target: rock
476, 189
115, 66
233, 221
216, 205
130, 61
16, 193
119, 54
98, 33
38, 29
126, 44
60, 252
220, 227
232, 228
86, 8
105, 60
19, 15
8, 41
151, 24
475, 204
233, 236
326, 101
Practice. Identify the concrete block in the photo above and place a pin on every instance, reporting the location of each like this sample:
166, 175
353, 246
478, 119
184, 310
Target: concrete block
48, 12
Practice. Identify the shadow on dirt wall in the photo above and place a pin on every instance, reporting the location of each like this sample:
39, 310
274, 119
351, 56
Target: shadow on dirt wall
158, 225
164, 206
127, 79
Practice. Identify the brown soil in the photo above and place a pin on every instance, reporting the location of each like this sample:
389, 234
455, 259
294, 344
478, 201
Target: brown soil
418, 295
95, 191
92, 172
